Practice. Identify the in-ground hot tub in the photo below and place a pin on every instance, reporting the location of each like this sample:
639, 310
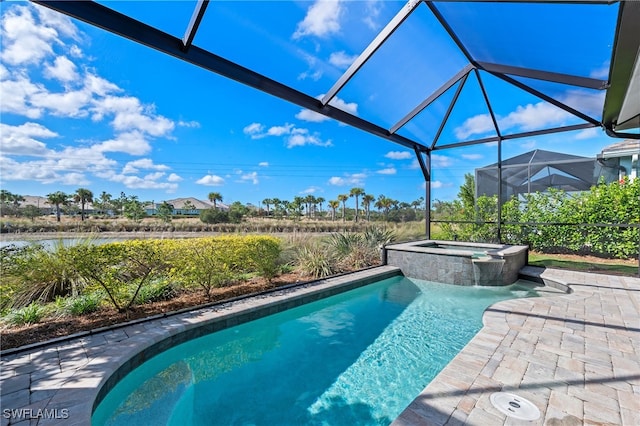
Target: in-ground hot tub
456, 262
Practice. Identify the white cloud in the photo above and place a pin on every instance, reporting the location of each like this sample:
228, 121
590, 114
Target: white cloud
280, 130
372, 14
439, 184
64, 104
255, 130
250, 177
588, 133
263, 164
355, 179
62, 69
192, 124
23, 40
133, 143
149, 181
315, 75
142, 164
311, 190
211, 180
302, 137
337, 181
441, 161
20, 140
399, 155
341, 59
322, 19
36, 41
602, 72
99, 86
312, 116
16, 95
585, 101
387, 171
472, 156
475, 125
130, 114
532, 117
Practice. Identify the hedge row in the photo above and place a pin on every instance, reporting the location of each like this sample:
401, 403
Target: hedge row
123, 270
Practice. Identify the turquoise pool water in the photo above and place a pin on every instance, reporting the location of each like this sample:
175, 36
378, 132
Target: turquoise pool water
357, 358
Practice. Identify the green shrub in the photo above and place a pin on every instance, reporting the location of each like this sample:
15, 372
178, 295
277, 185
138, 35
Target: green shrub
214, 216
35, 273
219, 261
122, 269
316, 261
84, 304
156, 291
30, 314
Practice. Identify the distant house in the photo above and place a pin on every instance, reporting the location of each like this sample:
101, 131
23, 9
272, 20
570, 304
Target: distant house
45, 208
188, 206
621, 159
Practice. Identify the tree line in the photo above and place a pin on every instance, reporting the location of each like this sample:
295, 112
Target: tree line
310, 206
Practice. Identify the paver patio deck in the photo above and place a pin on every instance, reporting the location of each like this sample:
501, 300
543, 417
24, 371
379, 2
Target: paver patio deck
575, 356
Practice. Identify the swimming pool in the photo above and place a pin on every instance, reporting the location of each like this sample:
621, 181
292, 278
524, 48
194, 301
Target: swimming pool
355, 358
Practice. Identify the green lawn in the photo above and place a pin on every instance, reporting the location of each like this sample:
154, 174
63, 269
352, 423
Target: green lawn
617, 267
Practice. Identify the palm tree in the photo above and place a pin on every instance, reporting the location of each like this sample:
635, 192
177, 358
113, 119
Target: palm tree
83, 196
416, 204
214, 197
343, 198
384, 203
267, 202
319, 202
356, 192
333, 204
58, 198
367, 199
310, 201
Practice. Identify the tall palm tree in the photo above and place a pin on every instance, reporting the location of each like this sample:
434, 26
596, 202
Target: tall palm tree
319, 202
343, 199
416, 204
58, 198
356, 192
333, 204
310, 201
83, 196
267, 202
214, 197
367, 199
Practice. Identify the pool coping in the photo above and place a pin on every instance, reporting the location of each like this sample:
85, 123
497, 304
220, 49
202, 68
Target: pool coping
62, 382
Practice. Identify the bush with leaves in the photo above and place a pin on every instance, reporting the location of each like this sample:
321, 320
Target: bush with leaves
117, 268
558, 222
30, 314
316, 261
36, 273
219, 261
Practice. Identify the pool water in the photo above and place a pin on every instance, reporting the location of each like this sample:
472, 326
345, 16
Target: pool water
357, 358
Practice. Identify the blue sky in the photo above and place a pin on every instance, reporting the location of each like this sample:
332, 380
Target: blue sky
84, 108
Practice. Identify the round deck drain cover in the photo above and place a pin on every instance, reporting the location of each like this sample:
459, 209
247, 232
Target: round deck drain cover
515, 406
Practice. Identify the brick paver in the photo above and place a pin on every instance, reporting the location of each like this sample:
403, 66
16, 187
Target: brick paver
575, 356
